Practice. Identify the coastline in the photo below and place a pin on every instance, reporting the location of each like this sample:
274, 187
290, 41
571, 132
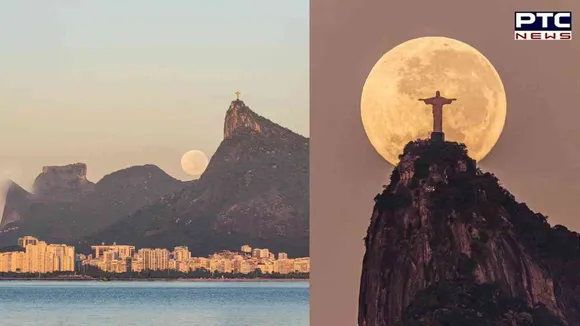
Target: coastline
85, 279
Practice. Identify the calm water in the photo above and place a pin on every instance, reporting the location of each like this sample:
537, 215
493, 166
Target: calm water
154, 303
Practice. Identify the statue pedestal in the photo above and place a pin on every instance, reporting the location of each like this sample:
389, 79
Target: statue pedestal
438, 137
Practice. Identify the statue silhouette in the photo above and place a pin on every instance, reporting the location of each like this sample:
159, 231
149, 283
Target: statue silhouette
437, 103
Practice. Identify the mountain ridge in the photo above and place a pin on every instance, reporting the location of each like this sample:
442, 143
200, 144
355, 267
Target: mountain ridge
58, 218
62, 183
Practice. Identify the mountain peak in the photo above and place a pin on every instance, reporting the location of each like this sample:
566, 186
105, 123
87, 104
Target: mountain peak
11, 187
442, 219
255, 189
240, 117
137, 175
13, 199
430, 163
63, 181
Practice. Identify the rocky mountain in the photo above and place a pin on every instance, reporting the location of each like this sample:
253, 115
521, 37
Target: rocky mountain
65, 206
62, 183
55, 184
254, 191
447, 245
17, 204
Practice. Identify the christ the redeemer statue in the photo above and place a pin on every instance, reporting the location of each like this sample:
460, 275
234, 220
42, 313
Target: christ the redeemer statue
437, 103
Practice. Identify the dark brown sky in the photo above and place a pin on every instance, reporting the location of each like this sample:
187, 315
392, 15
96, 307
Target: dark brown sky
537, 157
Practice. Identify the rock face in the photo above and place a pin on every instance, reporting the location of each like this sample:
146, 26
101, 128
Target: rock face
76, 207
254, 190
240, 118
17, 203
466, 303
442, 219
62, 183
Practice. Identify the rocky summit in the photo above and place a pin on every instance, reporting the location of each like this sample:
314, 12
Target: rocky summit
447, 245
62, 183
254, 191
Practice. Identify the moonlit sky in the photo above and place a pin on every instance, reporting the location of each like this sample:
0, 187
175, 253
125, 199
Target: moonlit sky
537, 157
121, 83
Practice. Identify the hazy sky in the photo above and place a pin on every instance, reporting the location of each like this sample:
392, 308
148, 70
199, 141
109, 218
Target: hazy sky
119, 83
537, 157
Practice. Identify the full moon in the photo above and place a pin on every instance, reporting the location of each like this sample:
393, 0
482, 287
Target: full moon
392, 115
194, 162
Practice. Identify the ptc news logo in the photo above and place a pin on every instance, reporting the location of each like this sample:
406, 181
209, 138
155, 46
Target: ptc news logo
543, 25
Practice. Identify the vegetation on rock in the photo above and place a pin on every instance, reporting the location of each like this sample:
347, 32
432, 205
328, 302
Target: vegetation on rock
463, 303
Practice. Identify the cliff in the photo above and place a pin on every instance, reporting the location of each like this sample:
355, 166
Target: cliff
16, 204
440, 220
241, 119
62, 183
254, 190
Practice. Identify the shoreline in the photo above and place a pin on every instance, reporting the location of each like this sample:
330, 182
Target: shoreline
79, 279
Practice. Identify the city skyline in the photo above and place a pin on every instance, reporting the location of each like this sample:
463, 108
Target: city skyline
41, 257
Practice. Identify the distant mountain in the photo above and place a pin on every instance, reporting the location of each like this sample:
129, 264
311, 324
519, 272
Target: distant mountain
65, 206
254, 191
17, 204
66, 183
447, 245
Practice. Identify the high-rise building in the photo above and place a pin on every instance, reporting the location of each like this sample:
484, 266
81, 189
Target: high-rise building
266, 268
199, 263
285, 266
35, 259
261, 253
122, 251
247, 267
302, 265
137, 263
155, 259
12, 261
38, 257
60, 258
26, 240
79, 261
223, 265
181, 254
5, 261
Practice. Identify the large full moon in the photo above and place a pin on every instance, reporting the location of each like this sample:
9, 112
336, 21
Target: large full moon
392, 115
194, 162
